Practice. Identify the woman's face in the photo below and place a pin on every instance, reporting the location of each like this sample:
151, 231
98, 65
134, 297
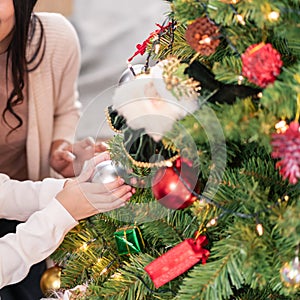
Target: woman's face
7, 18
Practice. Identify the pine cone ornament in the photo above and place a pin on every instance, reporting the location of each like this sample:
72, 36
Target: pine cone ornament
261, 64
286, 147
203, 36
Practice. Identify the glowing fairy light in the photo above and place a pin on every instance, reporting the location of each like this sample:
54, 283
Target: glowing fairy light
240, 79
259, 229
212, 222
240, 19
84, 247
273, 16
205, 40
104, 271
156, 48
169, 164
281, 126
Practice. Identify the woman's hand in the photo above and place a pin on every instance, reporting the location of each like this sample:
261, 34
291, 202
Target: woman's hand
67, 159
83, 199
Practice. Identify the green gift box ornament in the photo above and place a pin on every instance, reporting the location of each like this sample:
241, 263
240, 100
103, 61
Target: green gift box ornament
129, 240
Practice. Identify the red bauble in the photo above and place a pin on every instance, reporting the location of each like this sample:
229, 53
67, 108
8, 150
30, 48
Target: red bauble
173, 190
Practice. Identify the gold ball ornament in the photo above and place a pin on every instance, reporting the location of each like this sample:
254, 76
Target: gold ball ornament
50, 280
290, 273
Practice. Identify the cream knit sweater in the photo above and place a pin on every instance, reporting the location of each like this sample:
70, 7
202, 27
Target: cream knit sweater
53, 110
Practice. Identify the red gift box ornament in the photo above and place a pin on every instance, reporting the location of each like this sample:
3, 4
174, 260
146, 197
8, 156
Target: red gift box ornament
177, 260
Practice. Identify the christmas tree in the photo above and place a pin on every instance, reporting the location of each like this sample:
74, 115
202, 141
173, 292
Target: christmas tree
209, 135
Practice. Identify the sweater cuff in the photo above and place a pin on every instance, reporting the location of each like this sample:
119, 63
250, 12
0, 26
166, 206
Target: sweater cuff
61, 217
50, 188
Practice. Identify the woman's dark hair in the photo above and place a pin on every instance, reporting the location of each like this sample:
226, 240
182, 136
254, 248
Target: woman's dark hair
25, 26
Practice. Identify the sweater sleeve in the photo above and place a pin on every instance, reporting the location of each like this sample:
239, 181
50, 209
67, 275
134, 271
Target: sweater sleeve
33, 241
18, 200
66, 55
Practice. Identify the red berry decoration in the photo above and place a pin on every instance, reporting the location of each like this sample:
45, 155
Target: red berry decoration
261, 64
173, 186
286, 147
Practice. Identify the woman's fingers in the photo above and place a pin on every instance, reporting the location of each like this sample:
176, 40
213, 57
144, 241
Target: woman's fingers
89, 166
110, 203
85, 143
97, 159
104, 199
121, 192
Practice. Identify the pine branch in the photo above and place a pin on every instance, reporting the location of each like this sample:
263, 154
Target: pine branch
213, 280
170, 230
132, 283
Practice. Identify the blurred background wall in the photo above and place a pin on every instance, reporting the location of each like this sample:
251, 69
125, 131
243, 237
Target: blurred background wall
109, 32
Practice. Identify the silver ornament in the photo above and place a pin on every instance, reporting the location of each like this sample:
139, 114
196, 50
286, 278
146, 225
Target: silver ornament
130, 73
107, 171
290, 273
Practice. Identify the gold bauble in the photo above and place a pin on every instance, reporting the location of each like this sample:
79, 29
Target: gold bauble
50, 280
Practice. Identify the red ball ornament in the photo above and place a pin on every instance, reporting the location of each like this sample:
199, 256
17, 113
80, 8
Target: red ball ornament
173, 186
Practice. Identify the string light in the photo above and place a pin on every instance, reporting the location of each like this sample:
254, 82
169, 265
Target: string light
259, 229
169, 164
240, 79
156, 48
116, 276
281, 126
103, 271
240, 19
273, 16
259, 95
85, 245
212, 222
107, 267
99, 260
205, 40
156, 43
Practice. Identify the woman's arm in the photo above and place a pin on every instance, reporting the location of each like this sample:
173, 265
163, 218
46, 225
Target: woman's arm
18, 200
33, 241
41, 234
